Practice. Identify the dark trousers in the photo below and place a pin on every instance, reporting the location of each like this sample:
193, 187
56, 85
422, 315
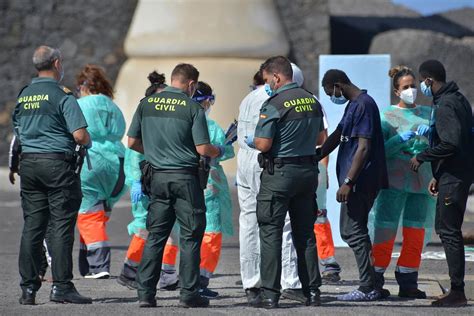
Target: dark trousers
50, 193
353, 226
291, 188
450, 208
173, 197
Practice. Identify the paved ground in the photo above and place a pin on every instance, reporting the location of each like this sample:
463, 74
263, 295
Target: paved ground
111, 298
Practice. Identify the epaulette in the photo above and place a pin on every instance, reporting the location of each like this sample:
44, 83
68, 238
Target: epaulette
308, 91
272, 97
66, 90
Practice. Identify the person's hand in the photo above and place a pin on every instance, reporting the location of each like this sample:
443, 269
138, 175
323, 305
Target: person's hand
415, 164
136, 192
342, 194
249, 140
11, 176
406, 136
423, 130
433, 187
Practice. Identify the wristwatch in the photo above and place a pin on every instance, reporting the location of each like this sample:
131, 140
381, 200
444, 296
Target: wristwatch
348, 181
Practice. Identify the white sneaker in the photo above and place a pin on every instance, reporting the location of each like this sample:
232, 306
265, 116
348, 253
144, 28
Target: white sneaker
99, 275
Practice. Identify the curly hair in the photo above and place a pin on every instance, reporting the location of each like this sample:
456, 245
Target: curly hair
398, 72
157, 81
94, 78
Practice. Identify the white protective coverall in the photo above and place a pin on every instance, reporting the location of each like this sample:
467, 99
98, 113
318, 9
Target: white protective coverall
248, 185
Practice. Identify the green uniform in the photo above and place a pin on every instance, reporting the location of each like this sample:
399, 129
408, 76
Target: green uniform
293, 119
44, 119
170, 125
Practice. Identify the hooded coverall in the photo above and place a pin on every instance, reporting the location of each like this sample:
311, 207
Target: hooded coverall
103, 185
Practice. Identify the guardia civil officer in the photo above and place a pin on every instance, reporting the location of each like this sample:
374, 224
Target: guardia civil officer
451, 155
287, 132
171, 130
48, 122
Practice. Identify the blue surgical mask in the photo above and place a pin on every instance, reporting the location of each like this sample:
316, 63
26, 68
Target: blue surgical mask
425, 89
268, 90
338, 100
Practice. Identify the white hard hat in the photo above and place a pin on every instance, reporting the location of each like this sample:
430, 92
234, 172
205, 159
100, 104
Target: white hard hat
297, 75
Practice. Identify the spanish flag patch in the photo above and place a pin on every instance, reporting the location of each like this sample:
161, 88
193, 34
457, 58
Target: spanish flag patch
66, 90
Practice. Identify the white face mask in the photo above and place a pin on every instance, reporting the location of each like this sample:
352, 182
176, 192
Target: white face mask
408, 95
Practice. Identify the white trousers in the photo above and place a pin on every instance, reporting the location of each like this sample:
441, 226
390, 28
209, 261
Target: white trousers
248, 185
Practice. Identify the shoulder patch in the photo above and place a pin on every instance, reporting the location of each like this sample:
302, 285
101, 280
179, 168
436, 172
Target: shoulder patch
66, 90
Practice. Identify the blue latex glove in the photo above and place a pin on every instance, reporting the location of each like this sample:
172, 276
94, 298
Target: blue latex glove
136, 191
406, 136
423, 130
221, 151
249, 140
231, 141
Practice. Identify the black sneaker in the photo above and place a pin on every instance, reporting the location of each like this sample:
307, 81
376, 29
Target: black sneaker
28, 297
170, 287
129, 283
98, 275
69, 295
206, 292
198, 301
329, 277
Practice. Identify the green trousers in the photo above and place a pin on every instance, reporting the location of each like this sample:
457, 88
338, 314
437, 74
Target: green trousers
290, 189
50, 193
173, 197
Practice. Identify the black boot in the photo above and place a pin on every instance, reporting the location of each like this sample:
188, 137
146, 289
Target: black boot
198, 301
146, 303
262, 301
127, 282
454, 298
252, 294
294, 295
28, 296
68, 295
408, 283
379, 283
411, 293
